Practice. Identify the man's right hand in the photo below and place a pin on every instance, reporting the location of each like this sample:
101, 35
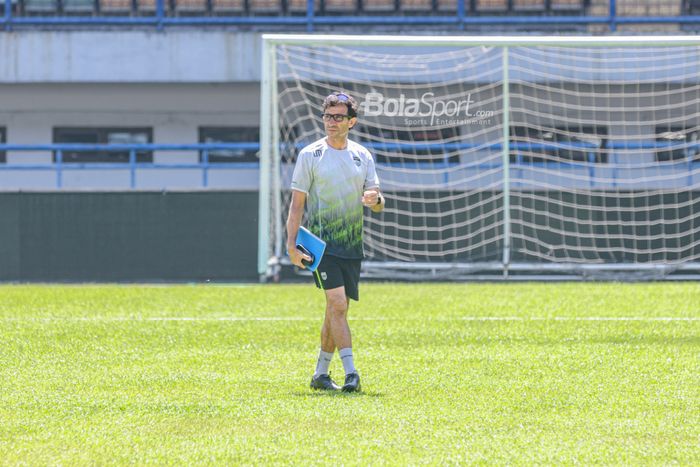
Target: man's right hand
296, 256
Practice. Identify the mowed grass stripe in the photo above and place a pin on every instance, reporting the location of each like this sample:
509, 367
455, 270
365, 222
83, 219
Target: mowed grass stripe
307, 318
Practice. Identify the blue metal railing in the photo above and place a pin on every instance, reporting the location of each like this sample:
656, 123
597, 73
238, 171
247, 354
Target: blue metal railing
60, 165
462, 17
591, 160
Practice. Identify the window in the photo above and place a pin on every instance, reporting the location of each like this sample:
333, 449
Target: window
677, 136
3, 140
533, 143
82, 135
230, 134
432, 140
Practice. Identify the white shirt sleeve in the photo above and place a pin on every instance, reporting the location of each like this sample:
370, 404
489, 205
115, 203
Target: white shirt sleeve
301, 179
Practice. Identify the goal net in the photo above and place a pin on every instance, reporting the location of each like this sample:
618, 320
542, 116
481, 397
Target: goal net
519, 156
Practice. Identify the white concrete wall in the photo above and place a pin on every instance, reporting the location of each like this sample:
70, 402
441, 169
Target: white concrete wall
172, 56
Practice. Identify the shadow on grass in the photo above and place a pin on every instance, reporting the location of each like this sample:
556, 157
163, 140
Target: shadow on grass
311, 393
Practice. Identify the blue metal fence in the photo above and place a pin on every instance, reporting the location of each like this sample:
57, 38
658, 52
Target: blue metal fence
59, 165
463, 15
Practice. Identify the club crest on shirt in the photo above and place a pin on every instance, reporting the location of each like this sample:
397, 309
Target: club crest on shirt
357, 160
318, 152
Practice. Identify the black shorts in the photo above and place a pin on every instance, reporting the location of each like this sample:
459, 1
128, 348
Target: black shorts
336, 272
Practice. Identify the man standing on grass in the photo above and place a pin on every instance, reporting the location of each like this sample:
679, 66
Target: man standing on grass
338, 177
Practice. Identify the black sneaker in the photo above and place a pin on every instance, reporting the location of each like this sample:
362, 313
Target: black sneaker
324, 382
352, 382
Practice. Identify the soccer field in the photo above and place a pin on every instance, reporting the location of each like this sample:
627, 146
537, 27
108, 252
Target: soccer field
451, 373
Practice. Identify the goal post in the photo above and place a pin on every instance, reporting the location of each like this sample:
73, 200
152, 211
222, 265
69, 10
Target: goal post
519, 156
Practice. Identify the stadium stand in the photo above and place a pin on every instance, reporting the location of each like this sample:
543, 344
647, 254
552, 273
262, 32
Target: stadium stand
501, 10
653, 16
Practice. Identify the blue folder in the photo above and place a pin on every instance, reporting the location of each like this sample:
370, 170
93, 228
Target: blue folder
313, 244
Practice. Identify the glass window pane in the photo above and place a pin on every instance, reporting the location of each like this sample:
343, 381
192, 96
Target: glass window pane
532, 144
98, 135
214, 135
685, 137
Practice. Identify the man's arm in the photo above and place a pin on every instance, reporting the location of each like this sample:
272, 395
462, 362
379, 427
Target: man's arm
373, 199
296, 212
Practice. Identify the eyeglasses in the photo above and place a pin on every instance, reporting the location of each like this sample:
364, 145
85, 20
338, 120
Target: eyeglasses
336, 117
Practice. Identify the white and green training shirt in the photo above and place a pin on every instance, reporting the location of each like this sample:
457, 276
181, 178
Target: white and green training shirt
334, 181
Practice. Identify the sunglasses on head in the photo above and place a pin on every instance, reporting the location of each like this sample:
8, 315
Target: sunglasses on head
341, 96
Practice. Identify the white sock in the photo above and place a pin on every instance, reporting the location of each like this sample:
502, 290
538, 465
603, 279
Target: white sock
323, 363
346, 358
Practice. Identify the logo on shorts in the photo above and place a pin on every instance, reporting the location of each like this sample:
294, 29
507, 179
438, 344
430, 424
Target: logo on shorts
324, 276
357, 160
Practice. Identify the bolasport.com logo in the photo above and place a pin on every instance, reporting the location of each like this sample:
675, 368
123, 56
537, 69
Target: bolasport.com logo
426, 110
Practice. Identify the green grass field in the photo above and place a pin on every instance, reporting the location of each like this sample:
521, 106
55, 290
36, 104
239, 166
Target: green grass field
452, 373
